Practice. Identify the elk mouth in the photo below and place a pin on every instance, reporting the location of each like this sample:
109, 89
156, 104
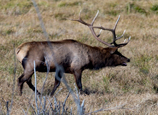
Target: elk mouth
124, 64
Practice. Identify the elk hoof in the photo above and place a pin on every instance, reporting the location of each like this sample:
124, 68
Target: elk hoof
81, 92
38, 93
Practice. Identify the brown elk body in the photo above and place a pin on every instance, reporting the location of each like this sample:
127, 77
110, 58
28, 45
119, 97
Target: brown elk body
72, 55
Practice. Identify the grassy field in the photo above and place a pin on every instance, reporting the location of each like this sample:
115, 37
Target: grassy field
133, 87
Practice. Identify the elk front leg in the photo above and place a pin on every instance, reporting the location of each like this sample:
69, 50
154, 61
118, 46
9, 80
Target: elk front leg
77, 75
58, 77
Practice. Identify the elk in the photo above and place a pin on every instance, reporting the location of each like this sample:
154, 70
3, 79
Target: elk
72, 55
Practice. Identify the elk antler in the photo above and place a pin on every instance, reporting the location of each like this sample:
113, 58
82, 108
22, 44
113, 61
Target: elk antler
91, 27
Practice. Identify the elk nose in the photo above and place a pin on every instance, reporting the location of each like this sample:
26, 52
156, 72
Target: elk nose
128, 60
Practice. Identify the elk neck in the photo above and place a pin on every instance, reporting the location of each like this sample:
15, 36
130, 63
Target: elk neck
99, 57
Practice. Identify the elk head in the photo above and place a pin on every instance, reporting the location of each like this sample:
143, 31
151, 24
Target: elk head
116, 57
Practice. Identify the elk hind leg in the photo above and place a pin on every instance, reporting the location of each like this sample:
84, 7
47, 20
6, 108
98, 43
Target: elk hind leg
20, 85
23, 78
29, 83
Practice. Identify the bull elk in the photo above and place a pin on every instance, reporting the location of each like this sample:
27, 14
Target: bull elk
72, 55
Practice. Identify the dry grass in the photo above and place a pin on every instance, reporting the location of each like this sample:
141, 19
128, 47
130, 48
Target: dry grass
135, 85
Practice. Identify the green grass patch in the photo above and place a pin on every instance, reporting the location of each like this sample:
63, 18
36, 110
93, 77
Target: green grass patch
6, 32
25, 4
144, 69
106, 82
112, 9
18, 42
84, 38
143, 63
44, 4
126, 88
11, 70
9, 31
17, 7
156, 57
87, 14
55, 35
7, 5
68, 4
113, 12
134, 8
154, 7
112, 5
140, 10
61, 16
35, 30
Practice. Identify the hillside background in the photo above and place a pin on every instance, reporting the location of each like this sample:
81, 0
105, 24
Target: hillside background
135, 86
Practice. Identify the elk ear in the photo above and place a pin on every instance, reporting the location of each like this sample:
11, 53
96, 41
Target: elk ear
113, 49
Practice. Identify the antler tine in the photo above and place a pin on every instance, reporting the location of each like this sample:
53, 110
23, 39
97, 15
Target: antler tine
95, 17
129, 39
120, 36
80, 19
113, 32
116, 38
99, 33
116, 23
123, 44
